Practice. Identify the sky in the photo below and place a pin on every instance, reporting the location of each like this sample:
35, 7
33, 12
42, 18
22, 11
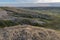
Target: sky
28, 1
15, 2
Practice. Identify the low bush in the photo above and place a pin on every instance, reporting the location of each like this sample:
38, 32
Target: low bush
7, 23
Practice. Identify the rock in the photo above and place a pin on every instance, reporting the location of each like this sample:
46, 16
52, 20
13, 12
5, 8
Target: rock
3, 13
27, 32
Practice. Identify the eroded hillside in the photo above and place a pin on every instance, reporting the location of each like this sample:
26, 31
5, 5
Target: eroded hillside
26, 32
27, 24
15, 16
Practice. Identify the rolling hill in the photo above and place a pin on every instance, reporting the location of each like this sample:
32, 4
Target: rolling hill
47, 17
30, 23
27, 32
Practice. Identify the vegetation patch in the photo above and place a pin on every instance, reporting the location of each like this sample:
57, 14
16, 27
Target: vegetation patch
7, 23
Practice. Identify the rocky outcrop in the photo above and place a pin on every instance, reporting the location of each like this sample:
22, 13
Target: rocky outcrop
27, 32
3, 14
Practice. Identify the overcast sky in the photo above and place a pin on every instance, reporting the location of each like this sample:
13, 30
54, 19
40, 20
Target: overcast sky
15, 2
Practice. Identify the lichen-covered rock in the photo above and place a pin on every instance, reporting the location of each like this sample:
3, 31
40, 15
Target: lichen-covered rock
27, 32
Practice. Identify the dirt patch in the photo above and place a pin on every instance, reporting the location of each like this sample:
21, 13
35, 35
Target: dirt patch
27, 32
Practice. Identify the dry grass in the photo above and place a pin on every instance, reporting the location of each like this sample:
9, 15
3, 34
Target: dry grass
27, 32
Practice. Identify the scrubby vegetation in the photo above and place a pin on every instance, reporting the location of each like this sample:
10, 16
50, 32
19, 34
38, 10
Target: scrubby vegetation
7, 23
42, 17
27, 32
30, 24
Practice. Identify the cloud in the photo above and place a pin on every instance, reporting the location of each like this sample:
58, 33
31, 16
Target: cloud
28, 1
22, 2
47, 1
37, 1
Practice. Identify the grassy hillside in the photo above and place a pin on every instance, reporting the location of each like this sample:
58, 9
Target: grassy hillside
42, 17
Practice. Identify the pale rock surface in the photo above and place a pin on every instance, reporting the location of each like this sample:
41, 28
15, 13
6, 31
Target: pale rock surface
27, 32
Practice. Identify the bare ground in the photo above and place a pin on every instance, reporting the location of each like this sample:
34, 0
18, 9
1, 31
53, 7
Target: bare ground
27, 32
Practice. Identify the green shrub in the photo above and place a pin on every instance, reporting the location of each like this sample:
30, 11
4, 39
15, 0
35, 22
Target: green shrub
7, 23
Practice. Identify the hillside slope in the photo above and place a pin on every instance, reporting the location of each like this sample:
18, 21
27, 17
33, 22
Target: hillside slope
44, 17
27, 24
26, 32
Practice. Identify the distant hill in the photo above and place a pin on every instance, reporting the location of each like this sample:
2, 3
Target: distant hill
55, 4
48, 17
41, 5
